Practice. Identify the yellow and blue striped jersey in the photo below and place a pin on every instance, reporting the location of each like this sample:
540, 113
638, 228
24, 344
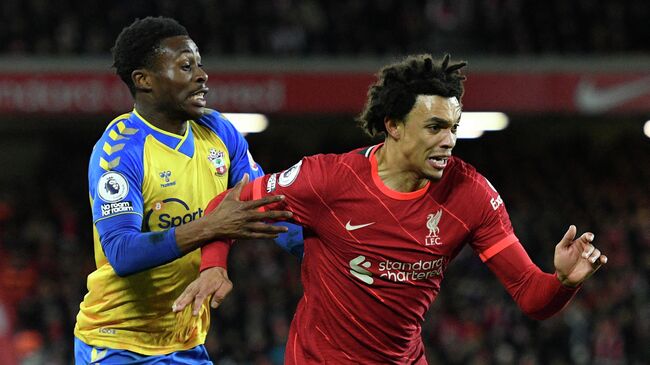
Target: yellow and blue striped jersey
161, 180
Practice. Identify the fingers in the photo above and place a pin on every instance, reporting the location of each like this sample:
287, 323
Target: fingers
235, 193
598, 262
602, 260
221, 293
252, 204
260, 227
593, 255
185, 298
261, 230
213, 281
588, 251
271, 215
569, 236
586, 238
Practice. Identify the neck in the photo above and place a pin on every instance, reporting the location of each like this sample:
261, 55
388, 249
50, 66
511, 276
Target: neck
161, 119
393, 173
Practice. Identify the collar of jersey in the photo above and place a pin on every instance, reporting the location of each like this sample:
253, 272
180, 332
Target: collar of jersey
183, 144
385, 189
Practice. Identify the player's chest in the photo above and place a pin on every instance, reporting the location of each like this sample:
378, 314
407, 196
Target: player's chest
176, 187
422, 227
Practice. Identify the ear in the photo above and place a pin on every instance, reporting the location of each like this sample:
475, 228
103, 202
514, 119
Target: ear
141, 79
393, 128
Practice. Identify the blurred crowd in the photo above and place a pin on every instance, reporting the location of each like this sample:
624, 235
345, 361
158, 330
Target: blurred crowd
548, 180
353, 27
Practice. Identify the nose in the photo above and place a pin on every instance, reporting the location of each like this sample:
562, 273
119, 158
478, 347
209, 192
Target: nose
449, 139
201, 75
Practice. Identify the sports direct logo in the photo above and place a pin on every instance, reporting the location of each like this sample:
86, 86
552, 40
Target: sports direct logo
397, 271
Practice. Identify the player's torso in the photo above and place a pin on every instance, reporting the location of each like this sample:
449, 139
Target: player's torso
381, 257
399, 246
177, 184
177, 187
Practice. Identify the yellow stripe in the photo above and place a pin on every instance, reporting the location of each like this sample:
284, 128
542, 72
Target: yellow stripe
121, 117
97, 355
114, 136
109, 165
124, 130
111, 149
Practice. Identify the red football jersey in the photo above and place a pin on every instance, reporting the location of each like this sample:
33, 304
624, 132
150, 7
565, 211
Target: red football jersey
374, 258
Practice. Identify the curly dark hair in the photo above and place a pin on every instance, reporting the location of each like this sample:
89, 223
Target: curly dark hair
399, 84
137, 44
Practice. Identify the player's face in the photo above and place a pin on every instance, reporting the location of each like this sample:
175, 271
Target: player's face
179, 82
429, 134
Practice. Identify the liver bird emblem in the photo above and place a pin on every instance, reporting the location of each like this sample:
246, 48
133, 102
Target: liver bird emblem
432, 222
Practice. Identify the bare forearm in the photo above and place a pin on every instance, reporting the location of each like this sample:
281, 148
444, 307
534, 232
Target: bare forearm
193, 235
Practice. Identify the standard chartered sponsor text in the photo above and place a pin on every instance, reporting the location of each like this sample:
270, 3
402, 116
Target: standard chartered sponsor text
405, 271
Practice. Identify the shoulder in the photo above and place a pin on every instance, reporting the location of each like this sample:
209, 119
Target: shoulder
463, 176
353, 157
332, 165
223, 129
126, 131
462, 172
121, 144
217, 123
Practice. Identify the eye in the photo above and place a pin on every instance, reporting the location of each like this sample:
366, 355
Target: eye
186, 67
434, 128
454, 129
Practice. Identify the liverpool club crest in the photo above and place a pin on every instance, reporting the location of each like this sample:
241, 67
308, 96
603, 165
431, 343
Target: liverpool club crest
432, 223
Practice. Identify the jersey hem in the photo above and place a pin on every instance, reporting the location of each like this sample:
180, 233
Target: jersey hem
143, 350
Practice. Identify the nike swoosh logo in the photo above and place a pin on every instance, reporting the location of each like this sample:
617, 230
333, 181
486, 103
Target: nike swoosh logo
351, 227
592, 99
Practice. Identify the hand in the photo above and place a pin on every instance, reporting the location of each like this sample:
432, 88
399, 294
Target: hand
576, 260
241, 219
213, 281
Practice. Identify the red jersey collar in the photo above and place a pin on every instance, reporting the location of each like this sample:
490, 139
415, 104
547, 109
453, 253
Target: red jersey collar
385, 189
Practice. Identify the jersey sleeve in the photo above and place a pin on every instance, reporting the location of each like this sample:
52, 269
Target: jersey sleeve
115, 174
538, 294
304, 186
241, 160
493, 231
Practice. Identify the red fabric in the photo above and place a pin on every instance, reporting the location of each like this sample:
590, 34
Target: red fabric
540, 295
216, 253
374, 259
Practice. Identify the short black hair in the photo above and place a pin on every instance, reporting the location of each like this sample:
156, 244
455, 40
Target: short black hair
136, 46
399, 84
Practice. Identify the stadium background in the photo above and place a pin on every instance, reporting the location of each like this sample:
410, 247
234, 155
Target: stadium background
566, 157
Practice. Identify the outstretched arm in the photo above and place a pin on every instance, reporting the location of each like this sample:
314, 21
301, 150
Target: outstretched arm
232, 217
213, 277
541, 295
130, 251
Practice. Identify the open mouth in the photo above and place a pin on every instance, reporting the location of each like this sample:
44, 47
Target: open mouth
439, 162
198, 98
